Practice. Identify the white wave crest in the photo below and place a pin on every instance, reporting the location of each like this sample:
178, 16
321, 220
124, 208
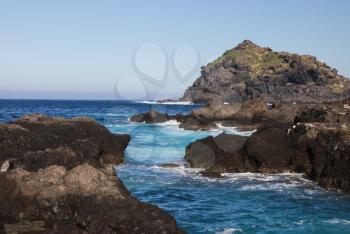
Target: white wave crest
169, 123
165, 103
180, 169
233, 130
337, 221
229, 231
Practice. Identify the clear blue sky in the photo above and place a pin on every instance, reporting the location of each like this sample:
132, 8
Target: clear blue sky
79, 49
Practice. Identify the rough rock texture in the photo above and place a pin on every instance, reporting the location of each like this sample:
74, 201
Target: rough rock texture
233, 153
151, 117
32, 139
254, 86
224, 152
57, 176
250, 114
249, 71
320, 150
257, 113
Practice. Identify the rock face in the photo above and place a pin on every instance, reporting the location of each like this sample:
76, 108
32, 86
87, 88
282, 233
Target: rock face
223, 153
250, 114
151, 117
33, 139
319, 150
249, 71
264, 151
322, 152
57, 176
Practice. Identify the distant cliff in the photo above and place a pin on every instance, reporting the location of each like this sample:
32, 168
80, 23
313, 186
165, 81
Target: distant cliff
249, 71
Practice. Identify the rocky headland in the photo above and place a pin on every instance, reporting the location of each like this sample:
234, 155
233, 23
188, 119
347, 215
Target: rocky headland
57, 176
299, 106
252, 86
249, 71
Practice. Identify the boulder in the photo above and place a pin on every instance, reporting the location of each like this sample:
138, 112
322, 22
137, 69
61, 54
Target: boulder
225, 152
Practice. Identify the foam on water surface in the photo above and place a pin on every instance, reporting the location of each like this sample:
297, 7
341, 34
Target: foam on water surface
165, 103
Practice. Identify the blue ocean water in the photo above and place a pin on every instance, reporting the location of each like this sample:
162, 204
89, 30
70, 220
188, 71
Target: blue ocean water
238, 203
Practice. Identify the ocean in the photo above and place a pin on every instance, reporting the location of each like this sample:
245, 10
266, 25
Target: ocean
237, 203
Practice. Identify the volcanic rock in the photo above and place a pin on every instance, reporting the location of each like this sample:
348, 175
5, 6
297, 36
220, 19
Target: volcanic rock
151, 117
320, 150
57, 176
249, 71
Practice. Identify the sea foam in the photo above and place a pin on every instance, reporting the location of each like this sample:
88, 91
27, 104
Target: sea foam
165, 103
233, 130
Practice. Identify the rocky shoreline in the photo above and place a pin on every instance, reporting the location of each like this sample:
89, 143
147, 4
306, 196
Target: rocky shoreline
318, 150
299, 106
57, 176
306, 138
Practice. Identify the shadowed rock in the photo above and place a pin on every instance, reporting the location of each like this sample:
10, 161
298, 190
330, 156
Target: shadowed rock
319, 150
224, 152
151, 117
37, 139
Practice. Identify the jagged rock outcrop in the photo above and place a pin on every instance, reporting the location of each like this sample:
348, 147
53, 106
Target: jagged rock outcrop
249, 71
32, 140
152, 116
265, 151
320, 150
256, 113
226, 153
57, 176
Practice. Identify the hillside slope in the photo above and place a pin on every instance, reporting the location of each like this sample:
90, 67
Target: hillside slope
249, 71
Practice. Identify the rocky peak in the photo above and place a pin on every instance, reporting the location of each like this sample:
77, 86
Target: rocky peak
246, 44
249, 71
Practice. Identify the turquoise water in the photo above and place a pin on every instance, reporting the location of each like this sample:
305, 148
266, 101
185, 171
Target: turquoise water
238, 203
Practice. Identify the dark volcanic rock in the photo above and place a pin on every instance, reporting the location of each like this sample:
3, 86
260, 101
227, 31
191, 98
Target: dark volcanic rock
33, 139
249, 71
268, 148
152, 117
193, 122
225, 152
320, 114
212, 172
255, 86
319, 150
188, 122
322, 152
57, 176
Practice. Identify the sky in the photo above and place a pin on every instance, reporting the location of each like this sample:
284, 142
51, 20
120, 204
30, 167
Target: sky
81, 49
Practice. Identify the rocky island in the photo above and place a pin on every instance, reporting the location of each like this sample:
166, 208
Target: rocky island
299, 106
57, 176
249, 71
